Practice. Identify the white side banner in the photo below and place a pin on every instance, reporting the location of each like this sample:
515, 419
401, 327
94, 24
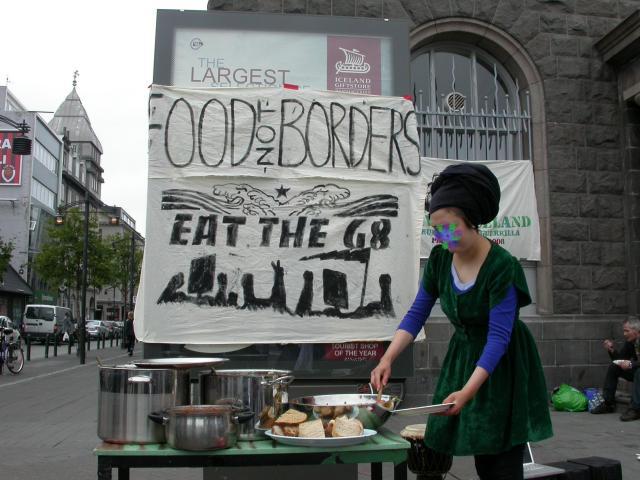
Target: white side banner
279, 215
517, 226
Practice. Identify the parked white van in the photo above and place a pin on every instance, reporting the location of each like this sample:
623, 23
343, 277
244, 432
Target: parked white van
41, 320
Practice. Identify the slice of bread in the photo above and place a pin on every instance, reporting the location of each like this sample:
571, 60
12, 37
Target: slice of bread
312, 429
285, 430
346, 427
291, 417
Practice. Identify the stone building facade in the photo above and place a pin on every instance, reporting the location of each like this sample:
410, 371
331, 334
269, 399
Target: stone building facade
584, 140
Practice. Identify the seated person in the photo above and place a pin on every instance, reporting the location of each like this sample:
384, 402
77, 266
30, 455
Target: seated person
628, 368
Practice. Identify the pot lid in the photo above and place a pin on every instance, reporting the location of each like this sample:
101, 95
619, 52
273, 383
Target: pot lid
252, 372
179, 362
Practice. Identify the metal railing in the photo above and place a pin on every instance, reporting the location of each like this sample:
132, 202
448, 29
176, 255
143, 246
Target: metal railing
485, 133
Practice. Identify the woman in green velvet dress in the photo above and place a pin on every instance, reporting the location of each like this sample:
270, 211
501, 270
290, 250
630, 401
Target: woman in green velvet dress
492, 371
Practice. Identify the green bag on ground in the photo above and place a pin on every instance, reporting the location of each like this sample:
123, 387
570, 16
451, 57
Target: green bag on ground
568, 399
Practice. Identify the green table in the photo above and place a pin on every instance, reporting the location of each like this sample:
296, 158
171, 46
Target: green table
384, 447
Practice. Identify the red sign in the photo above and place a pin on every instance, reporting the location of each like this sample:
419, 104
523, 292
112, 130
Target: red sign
353, 65
10, 164
354, 351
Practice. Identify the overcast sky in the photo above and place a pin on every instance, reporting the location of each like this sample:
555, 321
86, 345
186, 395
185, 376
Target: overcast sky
111, 44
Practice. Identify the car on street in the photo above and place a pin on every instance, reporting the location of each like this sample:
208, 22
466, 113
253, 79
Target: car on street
5, 322
96, 329
120, 327
114, 327
46, 321
111, 328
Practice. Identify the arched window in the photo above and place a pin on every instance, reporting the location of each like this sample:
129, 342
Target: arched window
468, 105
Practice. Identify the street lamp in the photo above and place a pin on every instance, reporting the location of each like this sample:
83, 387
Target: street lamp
85, 255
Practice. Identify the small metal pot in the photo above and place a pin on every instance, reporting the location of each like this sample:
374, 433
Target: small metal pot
201, 427
255, 390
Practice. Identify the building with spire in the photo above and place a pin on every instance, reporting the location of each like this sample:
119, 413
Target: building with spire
81, 174
81, 169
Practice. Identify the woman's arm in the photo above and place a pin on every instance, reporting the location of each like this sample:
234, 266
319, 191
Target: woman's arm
417, 315
380, 375
462, 397
501, 320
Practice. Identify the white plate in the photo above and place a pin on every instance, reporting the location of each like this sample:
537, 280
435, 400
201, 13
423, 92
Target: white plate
322, 442
439, 407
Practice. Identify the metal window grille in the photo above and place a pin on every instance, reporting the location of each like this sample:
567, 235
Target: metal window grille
473, 127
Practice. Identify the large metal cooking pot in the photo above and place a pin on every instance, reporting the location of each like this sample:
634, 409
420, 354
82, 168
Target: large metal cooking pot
201, 427
182, 366
127, 395
255, 390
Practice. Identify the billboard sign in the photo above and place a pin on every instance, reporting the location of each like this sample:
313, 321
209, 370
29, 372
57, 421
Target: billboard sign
10, 163
349, 55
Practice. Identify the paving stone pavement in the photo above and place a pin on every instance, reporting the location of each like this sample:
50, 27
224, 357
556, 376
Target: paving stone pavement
49, 423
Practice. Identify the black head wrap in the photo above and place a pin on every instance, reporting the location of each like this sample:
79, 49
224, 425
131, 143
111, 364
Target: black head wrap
471, 187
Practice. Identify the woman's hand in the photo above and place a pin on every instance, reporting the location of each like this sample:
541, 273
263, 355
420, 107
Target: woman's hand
626, 365
380, 375
460, 398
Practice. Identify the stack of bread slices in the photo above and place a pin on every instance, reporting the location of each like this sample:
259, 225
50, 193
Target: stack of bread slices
293, 423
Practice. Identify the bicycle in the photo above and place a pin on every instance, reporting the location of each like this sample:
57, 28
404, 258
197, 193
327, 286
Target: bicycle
11, 353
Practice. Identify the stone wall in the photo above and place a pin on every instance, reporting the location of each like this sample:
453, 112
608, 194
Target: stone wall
631, 124
570, 349
591, 261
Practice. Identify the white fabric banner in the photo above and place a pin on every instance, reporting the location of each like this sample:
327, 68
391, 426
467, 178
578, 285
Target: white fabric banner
279, 215
517, 226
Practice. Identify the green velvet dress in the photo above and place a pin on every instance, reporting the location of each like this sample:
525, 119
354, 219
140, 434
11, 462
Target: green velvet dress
511, 407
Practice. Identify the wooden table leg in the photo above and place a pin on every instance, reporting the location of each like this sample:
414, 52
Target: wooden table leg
104, 470
123, 473
400, 471
376, 471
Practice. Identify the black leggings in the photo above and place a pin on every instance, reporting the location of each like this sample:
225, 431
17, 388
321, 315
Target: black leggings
502, 466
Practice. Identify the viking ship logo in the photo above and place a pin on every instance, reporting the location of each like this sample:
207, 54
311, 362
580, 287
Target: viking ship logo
353, 62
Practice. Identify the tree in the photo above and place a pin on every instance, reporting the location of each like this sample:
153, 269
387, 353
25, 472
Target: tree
60, 259
121, 264
6, 251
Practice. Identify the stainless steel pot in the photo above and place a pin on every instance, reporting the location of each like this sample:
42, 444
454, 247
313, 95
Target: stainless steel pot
364, 407
182, 366
201, 427
127, 395
255, 390
373, 413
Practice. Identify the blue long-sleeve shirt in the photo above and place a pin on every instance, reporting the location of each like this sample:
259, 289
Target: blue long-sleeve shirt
501, 320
